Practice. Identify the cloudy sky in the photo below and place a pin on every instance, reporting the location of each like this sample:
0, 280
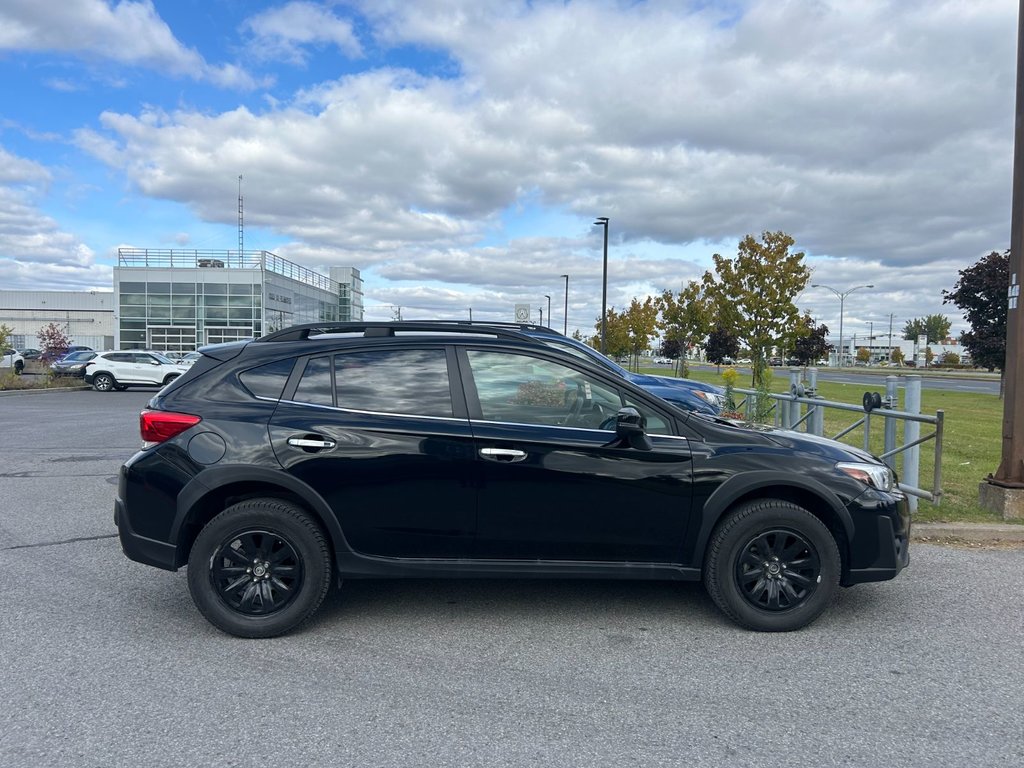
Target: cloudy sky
457, 151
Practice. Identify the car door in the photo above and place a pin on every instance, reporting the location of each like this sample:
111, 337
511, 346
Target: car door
384, 439
147, 369
551, 485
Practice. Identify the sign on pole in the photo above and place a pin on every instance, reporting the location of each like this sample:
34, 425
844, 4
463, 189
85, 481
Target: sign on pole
522, 313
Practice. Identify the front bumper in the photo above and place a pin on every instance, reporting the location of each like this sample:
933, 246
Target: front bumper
881, 545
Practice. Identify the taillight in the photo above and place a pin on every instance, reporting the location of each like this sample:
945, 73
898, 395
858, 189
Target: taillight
157, 426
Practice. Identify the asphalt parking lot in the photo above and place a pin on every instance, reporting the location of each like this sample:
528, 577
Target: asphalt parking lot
106, 662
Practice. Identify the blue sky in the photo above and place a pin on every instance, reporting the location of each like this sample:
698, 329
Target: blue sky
457, 152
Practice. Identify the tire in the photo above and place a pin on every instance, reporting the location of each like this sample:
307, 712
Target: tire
19, 368
103, 382
170, 377
772, 566
259, 569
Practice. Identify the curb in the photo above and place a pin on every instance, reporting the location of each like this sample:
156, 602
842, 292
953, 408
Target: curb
973, 532
40, 391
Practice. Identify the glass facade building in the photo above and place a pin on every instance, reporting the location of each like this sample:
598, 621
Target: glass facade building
178, 300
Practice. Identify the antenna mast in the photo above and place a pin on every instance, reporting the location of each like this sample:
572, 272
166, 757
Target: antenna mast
241, 227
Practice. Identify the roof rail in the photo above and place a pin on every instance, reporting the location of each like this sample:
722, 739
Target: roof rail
393, 328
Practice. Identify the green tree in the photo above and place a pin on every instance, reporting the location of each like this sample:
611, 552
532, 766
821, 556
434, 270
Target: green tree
685, 319
616, 335
897, 356
642, 325
6, 332
935, 327
863, 354
754, 293
981, 294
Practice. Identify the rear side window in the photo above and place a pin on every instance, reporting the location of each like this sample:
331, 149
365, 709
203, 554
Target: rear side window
315, 386
412, 381
267, 380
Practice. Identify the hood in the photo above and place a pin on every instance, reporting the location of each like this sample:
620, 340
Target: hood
808, 443
647, 380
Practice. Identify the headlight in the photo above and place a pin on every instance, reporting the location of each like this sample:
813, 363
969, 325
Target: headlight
710, 397
876, 475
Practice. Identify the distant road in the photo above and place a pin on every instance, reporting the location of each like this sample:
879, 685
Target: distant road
980, 383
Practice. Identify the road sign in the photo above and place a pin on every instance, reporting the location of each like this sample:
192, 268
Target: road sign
522, 313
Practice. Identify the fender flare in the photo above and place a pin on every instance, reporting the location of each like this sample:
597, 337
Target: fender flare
744, 483
215, 478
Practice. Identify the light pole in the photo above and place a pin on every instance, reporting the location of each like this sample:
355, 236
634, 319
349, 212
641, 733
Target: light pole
565, 312
549, 309
602, 221
842, 299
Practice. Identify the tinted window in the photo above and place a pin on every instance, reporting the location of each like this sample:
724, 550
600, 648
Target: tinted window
529, 390
394, 381
315, 386
120, 357
267, 380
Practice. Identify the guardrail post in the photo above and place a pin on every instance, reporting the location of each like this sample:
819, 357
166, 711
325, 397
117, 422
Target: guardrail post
891, 403
794, 412
911, 432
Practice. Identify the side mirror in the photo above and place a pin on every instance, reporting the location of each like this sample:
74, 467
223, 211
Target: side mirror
631, 430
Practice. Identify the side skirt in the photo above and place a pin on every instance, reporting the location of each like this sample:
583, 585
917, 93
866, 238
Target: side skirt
354, 566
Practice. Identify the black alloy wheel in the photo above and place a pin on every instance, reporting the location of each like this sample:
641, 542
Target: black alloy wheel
778, 570
256, 572
260, 568
772, 566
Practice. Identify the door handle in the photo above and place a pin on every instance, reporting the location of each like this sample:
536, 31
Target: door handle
309, 442
503, 454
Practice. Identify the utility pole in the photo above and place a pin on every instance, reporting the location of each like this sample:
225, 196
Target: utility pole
1004, 491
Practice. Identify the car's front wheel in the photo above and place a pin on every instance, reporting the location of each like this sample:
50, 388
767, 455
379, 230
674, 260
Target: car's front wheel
19, 367
772, 566
260, 568
170, 377
103, 382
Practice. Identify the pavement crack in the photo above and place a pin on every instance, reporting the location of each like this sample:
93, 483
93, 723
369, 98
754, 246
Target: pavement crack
58, 543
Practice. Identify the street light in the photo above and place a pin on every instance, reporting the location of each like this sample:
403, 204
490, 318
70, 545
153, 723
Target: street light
602, 221
565, 312
549, 309
842, 299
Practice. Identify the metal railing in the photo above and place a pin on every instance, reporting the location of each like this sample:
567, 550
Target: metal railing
801, 408
179, 258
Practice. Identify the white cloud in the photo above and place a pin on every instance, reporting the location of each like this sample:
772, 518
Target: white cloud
286, 31
34, 251
128, 32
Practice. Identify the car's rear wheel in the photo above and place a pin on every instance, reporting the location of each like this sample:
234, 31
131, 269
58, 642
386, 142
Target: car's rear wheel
260, 568
19, 367
772, 566
170, 377
103, 382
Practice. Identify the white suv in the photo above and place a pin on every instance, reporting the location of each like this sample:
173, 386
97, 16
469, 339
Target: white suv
124, 368
11, 358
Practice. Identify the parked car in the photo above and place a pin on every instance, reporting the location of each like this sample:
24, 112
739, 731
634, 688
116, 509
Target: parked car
51, 356
276, 467
72, 364
31, 354
685, 393
11, 358
188, 358
121, 369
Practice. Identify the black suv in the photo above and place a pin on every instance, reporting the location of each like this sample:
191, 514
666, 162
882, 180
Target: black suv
276, 467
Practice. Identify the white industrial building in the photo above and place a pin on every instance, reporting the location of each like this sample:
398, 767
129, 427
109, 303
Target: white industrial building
87, 317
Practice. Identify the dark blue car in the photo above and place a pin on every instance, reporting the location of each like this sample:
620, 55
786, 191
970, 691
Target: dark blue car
684, 393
